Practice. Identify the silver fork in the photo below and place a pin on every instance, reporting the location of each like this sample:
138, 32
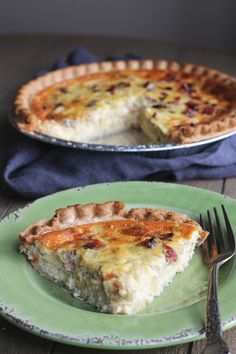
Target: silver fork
218, 248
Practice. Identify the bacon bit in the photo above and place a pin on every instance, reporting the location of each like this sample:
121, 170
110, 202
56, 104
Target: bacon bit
176, 100
149, 243
208, 110
192, 109
135, 230
71, 265
168, 236
170, 254
91, 103
190, 112
109, 276
196, 97
63, 89
75, 100
168, 88
163, 96
149, 86
150, 100
154, 115
186, 87
96, 87
52, 117
59, 105
94, 244
44, 107
145, 85
111, 89
123, 84
159, 106
193, 106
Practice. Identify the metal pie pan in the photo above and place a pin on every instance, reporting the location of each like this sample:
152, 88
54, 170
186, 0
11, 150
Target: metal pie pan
112, 143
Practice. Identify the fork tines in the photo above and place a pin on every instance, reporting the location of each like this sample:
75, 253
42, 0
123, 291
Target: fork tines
220, 244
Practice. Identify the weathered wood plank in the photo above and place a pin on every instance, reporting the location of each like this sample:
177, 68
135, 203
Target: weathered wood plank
4, 205
230, 187
61, 349
213, 185
229, 336
13, 340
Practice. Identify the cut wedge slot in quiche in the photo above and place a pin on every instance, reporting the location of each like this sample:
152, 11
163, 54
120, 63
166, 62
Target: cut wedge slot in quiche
170, 103
115, 260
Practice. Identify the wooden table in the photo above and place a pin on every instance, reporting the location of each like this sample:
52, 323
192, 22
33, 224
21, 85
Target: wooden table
20, 58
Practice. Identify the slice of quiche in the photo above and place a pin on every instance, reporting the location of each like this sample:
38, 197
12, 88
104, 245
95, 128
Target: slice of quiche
115, 260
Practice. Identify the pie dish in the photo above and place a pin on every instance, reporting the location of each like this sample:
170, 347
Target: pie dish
170, 103
116, 260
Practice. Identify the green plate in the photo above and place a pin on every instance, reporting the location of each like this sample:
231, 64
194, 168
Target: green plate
177, 316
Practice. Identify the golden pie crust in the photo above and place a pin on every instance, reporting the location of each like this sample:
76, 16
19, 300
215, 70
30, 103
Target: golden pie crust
222, 85
89, 213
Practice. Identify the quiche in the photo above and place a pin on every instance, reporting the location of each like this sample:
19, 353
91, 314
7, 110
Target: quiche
115, 260
170, 103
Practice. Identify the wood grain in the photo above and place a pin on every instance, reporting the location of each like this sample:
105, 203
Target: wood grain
21, 58
212, 185
230, 187
229, 336
61, 349
14, 340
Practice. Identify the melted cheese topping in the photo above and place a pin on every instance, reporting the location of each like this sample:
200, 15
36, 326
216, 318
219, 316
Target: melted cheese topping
118, 242
168, 99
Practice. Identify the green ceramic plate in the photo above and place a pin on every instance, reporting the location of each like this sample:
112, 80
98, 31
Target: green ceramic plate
177, 316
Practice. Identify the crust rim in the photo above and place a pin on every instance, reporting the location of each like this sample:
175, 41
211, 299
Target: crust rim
76, 214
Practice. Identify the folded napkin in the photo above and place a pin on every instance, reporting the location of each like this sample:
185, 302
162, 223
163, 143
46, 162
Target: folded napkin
33, 169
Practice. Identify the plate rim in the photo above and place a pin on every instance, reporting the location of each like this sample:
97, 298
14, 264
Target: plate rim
192, 336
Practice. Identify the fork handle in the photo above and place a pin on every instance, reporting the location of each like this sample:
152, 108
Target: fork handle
215, 343
213, 326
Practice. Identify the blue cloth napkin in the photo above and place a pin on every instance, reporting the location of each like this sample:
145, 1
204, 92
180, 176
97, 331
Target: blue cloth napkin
33, 169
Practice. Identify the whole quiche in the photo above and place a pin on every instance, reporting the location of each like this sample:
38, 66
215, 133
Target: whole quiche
170, 103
